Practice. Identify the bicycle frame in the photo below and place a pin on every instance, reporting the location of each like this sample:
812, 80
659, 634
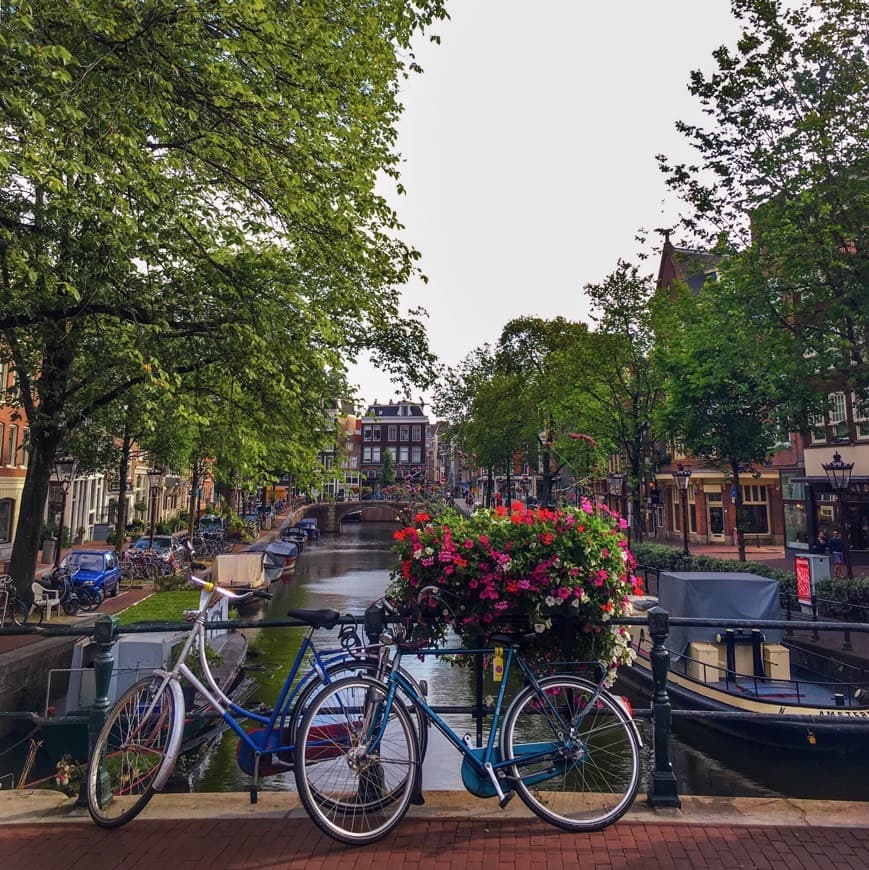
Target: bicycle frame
485, 761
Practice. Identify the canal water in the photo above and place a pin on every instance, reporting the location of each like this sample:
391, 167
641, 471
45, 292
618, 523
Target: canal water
347, 572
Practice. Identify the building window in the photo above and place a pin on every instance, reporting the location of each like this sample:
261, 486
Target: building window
416, 433
25, 454
366, 454
392, 433
416, 455
376, 433
11, 445
405, 433
6, 507
366, 433
402, 454
755, 510
375, 454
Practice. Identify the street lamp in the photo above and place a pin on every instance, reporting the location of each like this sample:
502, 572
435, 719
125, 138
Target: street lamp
839, 477
64, 469
616, 485
155, 481
682, 478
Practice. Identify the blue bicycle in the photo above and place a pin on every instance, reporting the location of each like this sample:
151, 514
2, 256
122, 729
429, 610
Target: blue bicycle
565, 745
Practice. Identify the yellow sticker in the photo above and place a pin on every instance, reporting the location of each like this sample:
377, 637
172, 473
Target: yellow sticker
498, 664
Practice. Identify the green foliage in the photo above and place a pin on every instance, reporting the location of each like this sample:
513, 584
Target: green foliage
780, 173
387, 469
843, 599
191, 228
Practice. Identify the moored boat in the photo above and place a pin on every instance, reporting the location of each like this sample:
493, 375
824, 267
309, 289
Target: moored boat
279, 559
746, 674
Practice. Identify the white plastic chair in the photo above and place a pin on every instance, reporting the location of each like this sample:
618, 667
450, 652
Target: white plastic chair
46, 598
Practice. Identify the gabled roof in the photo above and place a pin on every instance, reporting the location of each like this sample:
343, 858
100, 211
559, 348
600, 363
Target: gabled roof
686, 264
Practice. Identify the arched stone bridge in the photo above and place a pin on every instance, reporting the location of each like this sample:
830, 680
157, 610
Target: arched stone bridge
329, 514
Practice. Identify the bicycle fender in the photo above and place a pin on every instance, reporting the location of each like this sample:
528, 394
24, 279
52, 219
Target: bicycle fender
174, 747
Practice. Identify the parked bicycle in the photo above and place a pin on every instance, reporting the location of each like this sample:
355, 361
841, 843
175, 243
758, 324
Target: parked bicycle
13, 611
565, 745
140, 741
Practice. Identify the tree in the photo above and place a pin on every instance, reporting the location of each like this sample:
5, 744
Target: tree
721, 402
626, 386
387, 469
192, 186
782, 176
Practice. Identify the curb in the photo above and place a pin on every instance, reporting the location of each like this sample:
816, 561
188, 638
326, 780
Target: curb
39, 806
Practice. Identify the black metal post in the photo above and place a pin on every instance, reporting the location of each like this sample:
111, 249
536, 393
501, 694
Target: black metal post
664, 790
684, 523
105, 634
64, 490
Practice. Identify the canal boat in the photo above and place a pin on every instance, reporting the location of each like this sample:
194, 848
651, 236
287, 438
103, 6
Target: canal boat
747, 675
239, 571
62, 728
310, 527
279, 558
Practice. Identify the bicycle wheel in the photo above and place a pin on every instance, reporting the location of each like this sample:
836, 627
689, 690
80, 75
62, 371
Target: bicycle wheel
355, 786
360, 668
18, 611
579, 777
132, 748
88, 599
34, 615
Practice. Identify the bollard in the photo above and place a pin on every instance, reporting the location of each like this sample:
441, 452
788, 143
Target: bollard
105, 634
664, 791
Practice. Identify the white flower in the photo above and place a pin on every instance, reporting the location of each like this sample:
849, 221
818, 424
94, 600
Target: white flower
550, 601
539, 627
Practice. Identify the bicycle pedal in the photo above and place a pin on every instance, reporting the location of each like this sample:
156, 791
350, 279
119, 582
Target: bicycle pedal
506, 799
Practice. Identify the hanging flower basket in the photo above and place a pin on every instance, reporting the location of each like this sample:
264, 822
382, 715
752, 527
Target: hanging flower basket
562, 574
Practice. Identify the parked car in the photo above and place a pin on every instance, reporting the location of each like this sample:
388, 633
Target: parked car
212, 523
94, 569
170, 547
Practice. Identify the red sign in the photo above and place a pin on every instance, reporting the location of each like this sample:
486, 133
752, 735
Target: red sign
804, 579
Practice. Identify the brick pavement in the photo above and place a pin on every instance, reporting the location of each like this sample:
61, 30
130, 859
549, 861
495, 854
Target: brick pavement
429, 844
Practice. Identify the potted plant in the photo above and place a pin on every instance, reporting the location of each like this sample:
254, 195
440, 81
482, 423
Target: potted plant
563, 573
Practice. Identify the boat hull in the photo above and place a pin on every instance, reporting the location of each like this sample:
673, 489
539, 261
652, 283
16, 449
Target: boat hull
770, 724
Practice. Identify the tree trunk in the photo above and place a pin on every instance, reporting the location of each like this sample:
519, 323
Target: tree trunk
22, 566
123, 468
740, 527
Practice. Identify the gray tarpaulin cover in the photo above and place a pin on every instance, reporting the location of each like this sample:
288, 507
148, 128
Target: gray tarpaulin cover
716, 595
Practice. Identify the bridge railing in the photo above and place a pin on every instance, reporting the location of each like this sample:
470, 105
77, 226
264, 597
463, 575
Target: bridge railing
663, 789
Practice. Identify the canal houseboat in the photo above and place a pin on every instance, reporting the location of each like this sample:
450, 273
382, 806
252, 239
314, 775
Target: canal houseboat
746, 677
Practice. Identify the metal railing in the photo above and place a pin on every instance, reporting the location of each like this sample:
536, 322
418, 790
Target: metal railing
663, 790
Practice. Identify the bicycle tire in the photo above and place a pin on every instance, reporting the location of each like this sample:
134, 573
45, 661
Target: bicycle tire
359, 668
70, 605
88, 599
355, 796
587, 781
121, 773
18, 611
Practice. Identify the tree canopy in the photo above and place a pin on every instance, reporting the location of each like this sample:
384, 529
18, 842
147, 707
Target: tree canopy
191, 187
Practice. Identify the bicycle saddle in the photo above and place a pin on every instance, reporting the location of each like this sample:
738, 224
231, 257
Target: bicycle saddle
316, 618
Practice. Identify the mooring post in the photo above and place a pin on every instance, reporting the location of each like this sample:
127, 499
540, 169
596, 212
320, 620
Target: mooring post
664, 791
105, 633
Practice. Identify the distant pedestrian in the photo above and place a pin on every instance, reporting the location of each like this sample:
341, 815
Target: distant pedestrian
837, 553
820, 544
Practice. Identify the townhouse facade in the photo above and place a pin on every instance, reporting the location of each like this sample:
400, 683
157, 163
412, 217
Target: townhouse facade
402, 429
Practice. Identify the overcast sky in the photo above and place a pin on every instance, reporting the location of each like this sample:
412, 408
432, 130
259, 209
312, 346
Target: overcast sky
528, 150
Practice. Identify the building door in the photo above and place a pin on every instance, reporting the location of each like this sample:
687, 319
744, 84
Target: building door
715, 516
